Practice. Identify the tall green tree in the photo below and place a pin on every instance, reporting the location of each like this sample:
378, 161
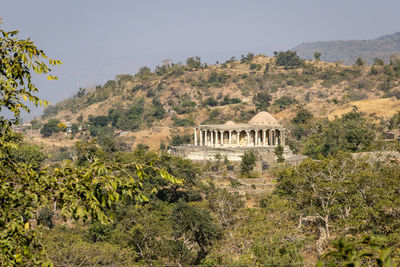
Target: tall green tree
317, 55
192, 224
262, 100
360, 62
79, 192
248, 163
50, 128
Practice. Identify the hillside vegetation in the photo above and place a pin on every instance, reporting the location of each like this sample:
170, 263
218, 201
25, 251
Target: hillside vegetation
109, 204
348, 51
153, 106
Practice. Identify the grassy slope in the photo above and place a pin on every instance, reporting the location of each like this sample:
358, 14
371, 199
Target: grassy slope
326, 89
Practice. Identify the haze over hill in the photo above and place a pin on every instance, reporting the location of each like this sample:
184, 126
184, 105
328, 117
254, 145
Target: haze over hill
347, 51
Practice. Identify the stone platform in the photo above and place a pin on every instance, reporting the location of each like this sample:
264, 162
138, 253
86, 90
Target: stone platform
234, 154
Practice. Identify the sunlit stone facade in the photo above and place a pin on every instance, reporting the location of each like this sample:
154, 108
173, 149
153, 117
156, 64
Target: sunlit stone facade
262, 134
263, 130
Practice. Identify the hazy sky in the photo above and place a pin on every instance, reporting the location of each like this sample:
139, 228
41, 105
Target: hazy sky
97, 39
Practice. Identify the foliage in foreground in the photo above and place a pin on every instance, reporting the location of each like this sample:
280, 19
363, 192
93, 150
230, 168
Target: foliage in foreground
79, 193
343, 195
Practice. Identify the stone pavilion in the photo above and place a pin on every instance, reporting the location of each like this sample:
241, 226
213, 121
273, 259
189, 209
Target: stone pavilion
262, 134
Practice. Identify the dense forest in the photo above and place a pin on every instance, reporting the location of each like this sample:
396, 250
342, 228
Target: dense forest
100, 202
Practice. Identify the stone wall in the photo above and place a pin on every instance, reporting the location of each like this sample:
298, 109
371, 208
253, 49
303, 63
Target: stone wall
203, 153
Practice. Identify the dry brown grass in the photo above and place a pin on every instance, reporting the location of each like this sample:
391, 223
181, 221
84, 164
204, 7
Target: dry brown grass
382, 107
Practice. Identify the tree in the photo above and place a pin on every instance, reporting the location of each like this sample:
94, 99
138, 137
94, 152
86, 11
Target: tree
317, 56
193, 63
351, 133
288, 59
192, 224
225, 205
80, 193
267, 67
27, 153
378, 61
247, 59
360, 62
262, 100
279, 154
328, 189
285, 102
248, 163
50, 128
373, 71
302, 116
301, 125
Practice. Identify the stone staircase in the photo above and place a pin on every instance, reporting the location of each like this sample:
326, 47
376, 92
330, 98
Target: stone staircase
250, 187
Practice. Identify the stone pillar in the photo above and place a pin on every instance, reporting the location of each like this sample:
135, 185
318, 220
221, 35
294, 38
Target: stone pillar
195, 136
256, 138
211, 138
263, 137
230, 137
273, 137
248, 138
278, 137
237, 138
270, 137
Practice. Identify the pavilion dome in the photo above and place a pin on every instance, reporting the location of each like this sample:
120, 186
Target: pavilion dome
264, 118
230, 123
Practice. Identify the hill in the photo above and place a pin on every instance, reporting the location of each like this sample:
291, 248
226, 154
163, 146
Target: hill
348, 51
152, 107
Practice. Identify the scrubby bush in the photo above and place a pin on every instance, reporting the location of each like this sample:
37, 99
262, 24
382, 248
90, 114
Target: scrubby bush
210, 102
183, 121
227, 101
177, 140
247, 59
285, 102
254, 66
